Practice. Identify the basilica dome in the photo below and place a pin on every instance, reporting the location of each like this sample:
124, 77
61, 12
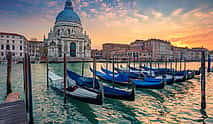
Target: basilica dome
68, 14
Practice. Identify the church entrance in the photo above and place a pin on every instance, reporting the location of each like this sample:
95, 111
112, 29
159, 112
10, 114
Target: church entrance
72, 49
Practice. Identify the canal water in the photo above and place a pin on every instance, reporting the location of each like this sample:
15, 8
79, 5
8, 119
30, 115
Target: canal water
176, 103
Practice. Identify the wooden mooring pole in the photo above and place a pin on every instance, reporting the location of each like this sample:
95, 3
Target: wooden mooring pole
128, 64
30, 91
113, 70
117, 62
47, 69
9, 69
181, 63
25, 75
184, 64
65, 77
82, 68
150, 66
203, 81
209, 63
94, 72
176, 64
166, 62
158, 65
107, 65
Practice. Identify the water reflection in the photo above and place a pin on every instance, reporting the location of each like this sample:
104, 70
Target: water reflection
176, 103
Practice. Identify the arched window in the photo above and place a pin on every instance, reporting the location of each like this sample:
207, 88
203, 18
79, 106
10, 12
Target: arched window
69, 31
72, 49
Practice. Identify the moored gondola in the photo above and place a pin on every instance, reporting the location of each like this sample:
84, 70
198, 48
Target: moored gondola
75, 91
109, 91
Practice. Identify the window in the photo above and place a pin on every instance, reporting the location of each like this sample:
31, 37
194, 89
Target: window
8, 41
13, 47
20, 47
2, 47
68, 31
7, 36
13, 41
13, 54
20, 54
21, 42
2, 54
13, 36
2, 35
8, 47
58, 32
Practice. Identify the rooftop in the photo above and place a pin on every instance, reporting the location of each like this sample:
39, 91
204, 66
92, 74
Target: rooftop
14, 34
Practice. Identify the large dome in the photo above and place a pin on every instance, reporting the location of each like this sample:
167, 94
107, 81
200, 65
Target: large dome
68, 15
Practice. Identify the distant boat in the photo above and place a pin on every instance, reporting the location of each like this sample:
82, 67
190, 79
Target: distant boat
157, 71
111, 92
132, 75
134, 72
75, 91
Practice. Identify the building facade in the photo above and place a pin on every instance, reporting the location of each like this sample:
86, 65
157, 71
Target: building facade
110, 48
12, 42
98, 54
155, 49
158, 49
68, 35
35, 49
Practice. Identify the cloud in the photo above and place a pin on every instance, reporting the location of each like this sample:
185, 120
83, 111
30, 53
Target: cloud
84, 4
189, 13
93, 10
177, 12
141, 16
196, 40
156, 14
52, 4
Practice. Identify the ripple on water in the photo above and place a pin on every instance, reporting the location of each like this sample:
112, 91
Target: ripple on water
176, 103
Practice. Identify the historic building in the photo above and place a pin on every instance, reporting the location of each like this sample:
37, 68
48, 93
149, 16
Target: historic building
68, 35
12, 42
110, 48
35, 49
159, 49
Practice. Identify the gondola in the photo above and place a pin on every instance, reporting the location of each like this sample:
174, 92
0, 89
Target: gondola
132, 75
119, 78
169, 79
150, 83
75, 91
157, 71
180, 76
110, 92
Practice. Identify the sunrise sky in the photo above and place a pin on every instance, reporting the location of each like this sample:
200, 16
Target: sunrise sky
184, 22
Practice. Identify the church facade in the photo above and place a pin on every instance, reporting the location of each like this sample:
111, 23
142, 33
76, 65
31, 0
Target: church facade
68, 35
